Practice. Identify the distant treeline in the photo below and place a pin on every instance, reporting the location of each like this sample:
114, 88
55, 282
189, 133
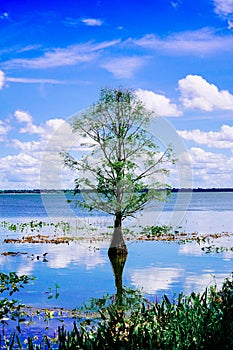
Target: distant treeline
172, 190
35, 191
202, 190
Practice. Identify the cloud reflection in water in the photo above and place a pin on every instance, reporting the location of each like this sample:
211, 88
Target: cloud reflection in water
153, 279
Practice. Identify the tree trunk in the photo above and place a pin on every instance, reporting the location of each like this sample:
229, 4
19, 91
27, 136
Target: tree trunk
117, 246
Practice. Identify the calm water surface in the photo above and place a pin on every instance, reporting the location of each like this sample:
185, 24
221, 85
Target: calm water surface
82, 269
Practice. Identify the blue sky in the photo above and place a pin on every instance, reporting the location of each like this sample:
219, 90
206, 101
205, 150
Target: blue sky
57, 55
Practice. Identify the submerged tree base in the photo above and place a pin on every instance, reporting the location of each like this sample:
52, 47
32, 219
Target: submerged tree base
117, 246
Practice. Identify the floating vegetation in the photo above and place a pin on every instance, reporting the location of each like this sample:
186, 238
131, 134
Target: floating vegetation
40, 239
36, 225
157, 231
214, 249
13, 253
60, 233
37, 257
167, 233
52, 293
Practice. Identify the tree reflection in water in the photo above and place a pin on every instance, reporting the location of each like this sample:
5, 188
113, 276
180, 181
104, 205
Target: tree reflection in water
118, 263
125, 298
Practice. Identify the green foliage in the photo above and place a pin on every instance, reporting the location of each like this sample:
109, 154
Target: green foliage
157, 230
213, 248
35, 226
11, 283
53, 292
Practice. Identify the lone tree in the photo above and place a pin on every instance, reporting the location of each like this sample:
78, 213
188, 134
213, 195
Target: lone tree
121, 172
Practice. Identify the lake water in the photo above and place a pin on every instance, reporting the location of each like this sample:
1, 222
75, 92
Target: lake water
82, 269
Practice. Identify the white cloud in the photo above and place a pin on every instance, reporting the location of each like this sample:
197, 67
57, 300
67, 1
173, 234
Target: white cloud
196, 92
4, 16
92, 22
223, 8
19, 171
29, 48
174, 4
222, 139
30, 146
22, 160
4, 128
123, 67
159, 104
230, 24
55, 135
2, 79
199, 42
30, 128
211, 169
211, 160
35, 80
23, 117
59, 57
37, 163
27, 163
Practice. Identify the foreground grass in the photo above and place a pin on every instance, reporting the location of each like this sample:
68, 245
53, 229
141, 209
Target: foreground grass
195, 321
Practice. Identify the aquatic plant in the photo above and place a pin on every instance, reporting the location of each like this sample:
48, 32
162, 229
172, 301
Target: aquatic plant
216, 249
11, 283
40, 239
157, 231
51, 293
36, 225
